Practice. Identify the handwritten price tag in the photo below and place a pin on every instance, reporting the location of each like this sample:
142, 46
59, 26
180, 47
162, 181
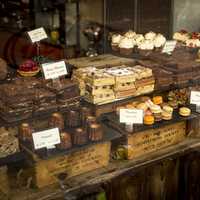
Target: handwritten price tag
134, 116
169, 46
37, 35
54, 70
195, 97
46, 138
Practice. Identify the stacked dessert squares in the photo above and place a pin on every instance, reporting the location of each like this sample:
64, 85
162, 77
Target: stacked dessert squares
109, 84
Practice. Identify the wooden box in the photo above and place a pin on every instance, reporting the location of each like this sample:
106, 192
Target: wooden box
46, 171
141, 143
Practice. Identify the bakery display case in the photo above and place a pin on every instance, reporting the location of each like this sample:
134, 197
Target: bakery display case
122, 121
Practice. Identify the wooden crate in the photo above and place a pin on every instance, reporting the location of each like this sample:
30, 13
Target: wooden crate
151, 140
46, 171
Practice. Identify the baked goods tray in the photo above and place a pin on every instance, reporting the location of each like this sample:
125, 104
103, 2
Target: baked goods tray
112, 121
109, 135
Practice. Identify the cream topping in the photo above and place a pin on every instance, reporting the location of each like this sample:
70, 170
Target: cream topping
146, 45
126, 43
150, 35
116, 38
159, 41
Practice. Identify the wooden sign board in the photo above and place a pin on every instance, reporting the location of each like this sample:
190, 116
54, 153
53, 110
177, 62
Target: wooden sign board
46, 172
152, 140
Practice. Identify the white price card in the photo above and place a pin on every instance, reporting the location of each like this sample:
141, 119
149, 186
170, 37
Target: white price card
46, 138
134, 116
169, 46
195, 97
37, 34
54, 70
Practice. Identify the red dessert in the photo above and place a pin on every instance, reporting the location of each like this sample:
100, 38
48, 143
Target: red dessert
28, 68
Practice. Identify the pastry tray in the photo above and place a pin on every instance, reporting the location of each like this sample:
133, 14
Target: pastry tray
44, 154
112, 120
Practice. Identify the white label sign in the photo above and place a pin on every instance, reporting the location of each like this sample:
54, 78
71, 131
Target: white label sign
169, 46
37, 34
134, 116
46, 138
54, 70
195, 97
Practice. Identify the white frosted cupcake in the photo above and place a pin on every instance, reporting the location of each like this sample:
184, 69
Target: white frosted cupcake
126, 46
146, 47
193, 43
130, 34
181, 36
159, 40
139, 38
150, 36
116, 38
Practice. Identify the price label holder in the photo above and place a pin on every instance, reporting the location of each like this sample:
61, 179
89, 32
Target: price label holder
195, 99
46, 139
169, 47
36, 36
131, 116
53, 71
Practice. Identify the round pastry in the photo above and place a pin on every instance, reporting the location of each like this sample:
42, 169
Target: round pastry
126, 46
184, 111
157, 100
95, 132
80, 137
155, 109
25, 132
66, 141
168, 109
166, 115
142, 106
157, 112
116, 38
148, 119
56, 121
